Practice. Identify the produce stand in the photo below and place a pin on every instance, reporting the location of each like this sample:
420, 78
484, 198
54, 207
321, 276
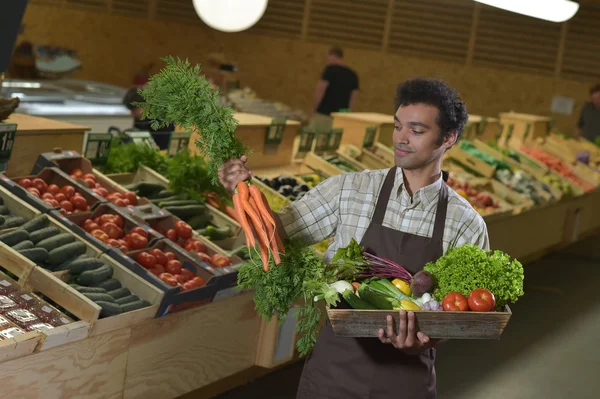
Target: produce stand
483, 128
355, 126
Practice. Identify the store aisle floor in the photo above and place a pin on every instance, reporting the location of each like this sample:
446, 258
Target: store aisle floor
549, 349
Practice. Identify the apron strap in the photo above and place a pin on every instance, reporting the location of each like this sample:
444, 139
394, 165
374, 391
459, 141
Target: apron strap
440, 214
384, 196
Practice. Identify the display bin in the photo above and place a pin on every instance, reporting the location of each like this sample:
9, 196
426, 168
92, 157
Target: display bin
143, 174
364, 157
16, 208
49, 159
73, 222
174, 298
51, 175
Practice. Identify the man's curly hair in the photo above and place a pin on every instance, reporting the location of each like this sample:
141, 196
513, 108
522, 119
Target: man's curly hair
452, 110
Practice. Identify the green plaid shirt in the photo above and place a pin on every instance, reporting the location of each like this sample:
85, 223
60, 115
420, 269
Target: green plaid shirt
343, 206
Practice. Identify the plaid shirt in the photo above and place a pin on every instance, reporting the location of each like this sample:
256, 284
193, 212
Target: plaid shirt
343, 206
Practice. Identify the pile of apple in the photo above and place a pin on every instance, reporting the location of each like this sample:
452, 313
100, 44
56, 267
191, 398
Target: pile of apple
119, 199
109, 229
481, 201
64, 197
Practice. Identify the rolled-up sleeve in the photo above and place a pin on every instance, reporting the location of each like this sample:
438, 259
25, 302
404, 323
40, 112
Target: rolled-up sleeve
314, 217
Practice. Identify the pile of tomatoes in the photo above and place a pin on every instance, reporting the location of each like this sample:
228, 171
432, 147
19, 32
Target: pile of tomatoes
480, 300
109, 228
119, 199
168, 268
64, 197
181, 235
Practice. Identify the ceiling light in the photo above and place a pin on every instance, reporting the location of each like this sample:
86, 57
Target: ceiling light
549, 10
230, 15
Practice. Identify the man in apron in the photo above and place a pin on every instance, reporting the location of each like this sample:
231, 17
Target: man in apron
406, 214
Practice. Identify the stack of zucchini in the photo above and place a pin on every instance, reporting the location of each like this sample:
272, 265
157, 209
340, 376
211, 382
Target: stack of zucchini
7, 220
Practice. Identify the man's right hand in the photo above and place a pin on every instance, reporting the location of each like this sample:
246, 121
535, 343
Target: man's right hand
234, 171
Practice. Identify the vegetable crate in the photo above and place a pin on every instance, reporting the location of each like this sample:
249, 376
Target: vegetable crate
143, 174
364, 157
436, 324
174, 299
76, 222
47, 177
471, 162
13, 211
330, 166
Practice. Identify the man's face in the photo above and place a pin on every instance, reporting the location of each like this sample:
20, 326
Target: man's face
417, 136
596, 99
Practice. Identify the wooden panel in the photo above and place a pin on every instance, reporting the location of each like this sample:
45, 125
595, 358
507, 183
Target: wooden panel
58, 3
281, 18
92, 5
178, 10
91, 368
509, 39
432, 28
582, 48
131, 8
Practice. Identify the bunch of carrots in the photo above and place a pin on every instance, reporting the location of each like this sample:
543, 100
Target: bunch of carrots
253, 210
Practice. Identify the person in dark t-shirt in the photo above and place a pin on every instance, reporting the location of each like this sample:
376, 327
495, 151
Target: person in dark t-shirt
337, 90
588, 126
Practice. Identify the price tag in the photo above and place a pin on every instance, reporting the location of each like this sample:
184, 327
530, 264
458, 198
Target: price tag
179, 142
7, 140
144, 138
97, 147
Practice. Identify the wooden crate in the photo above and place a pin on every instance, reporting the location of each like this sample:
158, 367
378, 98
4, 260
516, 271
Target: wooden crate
562, 151
385, 153
518, 202
143, 174
521, 129
277, 342
364, 157
472, 162
436, 324
17, 207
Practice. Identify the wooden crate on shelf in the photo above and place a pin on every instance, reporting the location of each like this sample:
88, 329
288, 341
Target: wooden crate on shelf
363, 157
472, 162
564, 152
385, 153
520, 129
519, 202
483, 128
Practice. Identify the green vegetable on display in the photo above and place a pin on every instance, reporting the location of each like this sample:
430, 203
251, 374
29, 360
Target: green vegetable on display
127, 158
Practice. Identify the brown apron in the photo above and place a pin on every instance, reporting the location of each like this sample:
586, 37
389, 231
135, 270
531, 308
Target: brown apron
364, 367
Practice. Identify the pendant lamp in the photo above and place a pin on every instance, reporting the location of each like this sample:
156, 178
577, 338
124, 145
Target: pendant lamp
230, 15
549, 10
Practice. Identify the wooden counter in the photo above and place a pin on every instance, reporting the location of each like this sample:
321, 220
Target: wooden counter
36, 135
252, 130
355, 125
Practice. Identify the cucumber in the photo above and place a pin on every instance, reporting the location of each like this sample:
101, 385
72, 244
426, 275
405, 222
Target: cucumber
216, 234
108, 285
132, 186
97, 276
13, 221
4, 210
89, 290
109, 309
164, 204
37, 255
79, 266
145, 189
120, 293
66, 264
2, 220
164, 194
186, 211
199, 221
99, 297
23, 245
37, 223
54, 242
131, 306
355, 301
373, 298
127, 299
14, 237
42, 234
172, 198
61, 254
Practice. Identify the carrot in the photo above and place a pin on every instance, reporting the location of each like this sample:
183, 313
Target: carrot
264, 246
271, 234
212, 202
257, 223
231, 212
277, 237
242, 188
237, 203
262, 207
264, 254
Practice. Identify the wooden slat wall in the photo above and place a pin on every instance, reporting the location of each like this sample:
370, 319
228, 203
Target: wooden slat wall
460, 31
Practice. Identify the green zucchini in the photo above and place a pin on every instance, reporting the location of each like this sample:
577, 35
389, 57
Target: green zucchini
119, 293
37, 223
108, 285
127, 299
14, 237
4, 210
13, 221
186, 211
96, 276
23, 245
109, 309
355, 301
132, 186
131, 306
2, 220
164, 194
66, 264
145, 189
104, 297
57, 241
37, 255
62, 253
42, 234
89, 290
373, 298
172, 198
216, 234
164, 204
200, 221
82, 265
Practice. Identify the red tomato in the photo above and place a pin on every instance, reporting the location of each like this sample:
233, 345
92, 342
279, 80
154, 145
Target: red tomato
112, 230
124, 248
79, 203
220, 261
53, 189
181, 280
481, 300
171, 235
126, 202
455, 301
157, 270
102, 236
90, 183
196, 282
183, 229
89, 176
115, 195
170, 256
77, 172
52, 202
198, 247
146, 260
47, 196
60, 197
119, 221
160, 256
90, 226
174, 267
40, 185
25, 183
169, 279
107, 218
187, 274
102, 191
205, 258
67, 206
120, 203
68, 191
189, 286
113, 243
88, 221
140, 231
34, 191
131, 197
138, 241
98, 185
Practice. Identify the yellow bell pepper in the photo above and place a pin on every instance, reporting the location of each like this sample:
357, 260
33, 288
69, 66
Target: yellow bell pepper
402, 285
407, 304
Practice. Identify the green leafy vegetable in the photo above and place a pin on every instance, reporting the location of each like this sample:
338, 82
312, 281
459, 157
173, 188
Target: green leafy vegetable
465, 268
179, 94
126, 158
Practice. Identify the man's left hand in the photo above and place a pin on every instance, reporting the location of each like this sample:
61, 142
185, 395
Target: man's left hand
408, 339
